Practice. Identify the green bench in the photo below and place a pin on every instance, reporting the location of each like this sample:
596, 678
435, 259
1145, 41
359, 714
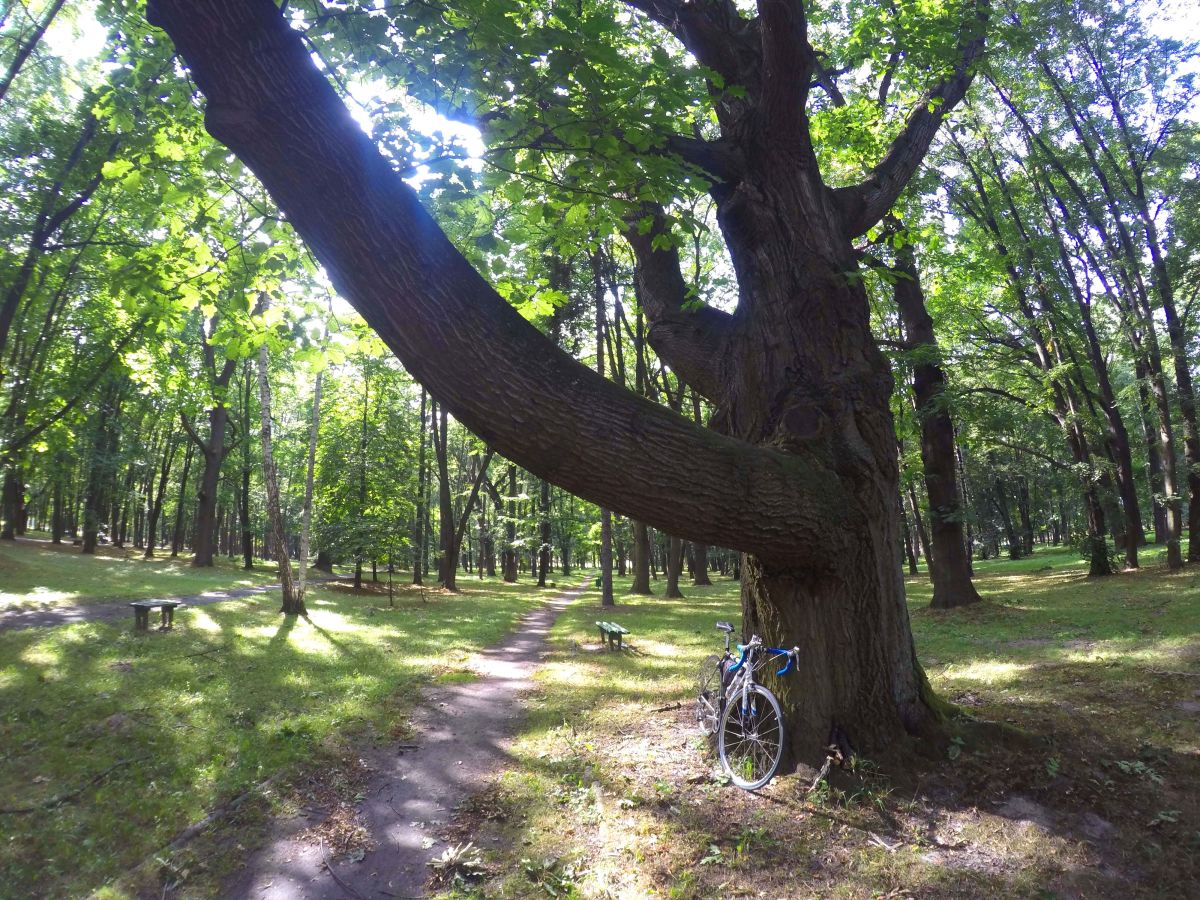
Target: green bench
141, 612
611, 631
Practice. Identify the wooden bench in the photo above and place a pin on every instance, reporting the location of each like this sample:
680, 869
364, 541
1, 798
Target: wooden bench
141, 612
611, 631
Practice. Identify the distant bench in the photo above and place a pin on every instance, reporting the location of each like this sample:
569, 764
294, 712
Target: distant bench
141, 612
611, 631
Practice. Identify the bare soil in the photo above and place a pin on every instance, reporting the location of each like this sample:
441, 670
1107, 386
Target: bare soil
376, 838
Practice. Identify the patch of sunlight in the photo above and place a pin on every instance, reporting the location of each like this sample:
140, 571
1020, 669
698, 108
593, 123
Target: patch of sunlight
203, 621
8, 678
259, 632
986, 672
565, 672
42, 655
1167, 652
37, 595
332, 621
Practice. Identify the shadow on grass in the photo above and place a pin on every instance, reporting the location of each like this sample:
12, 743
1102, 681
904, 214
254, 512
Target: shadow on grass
231, 696
1094, 795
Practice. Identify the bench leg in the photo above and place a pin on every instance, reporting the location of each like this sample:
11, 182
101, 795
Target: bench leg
141, 619
620, 646
170, 617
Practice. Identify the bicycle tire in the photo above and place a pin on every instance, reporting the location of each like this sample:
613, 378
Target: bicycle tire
709, 683
751, 738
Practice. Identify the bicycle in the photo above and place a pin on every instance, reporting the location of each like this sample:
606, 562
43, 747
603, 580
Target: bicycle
745, 715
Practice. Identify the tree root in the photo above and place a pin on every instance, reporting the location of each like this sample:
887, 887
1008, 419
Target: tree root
70, 795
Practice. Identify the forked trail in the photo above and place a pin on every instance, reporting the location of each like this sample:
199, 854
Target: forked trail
461, 735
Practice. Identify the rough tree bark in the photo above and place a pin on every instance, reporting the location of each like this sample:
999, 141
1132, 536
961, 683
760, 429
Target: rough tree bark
213, 452
949, 562
641, 559
802, 474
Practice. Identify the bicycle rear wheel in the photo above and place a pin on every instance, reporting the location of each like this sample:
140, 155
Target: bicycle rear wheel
751, 737
708, 684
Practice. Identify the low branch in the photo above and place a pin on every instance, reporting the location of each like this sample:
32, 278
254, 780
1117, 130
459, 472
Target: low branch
187, 426
480, 477
500, 377
1037, 454
690, 336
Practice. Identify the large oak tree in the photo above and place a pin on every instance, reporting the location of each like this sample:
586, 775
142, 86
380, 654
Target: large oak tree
799, 470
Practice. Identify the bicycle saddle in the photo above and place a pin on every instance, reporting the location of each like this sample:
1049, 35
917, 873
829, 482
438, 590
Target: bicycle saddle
725, 627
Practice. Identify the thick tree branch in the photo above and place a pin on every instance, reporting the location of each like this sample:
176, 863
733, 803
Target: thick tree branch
691, 336
713, 30
187, 426
787, 64
501, 378
864, 204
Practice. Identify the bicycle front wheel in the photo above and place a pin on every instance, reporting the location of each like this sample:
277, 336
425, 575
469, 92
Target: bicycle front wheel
751, 738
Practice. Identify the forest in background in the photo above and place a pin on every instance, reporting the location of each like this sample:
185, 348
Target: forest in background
885, 313
1034, 288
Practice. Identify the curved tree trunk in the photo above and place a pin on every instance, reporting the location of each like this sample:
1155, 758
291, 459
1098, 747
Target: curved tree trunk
802, 474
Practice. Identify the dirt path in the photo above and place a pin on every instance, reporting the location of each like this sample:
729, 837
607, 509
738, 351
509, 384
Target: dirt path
119, 609
462, 734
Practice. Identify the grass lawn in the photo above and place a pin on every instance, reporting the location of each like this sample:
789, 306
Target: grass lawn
36, 574
140, 735
1095, 791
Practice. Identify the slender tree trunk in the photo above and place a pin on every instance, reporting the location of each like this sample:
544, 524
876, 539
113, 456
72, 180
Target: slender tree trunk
1154, 466
56, 518
910, 552
422, 477
309, 470
244, 493
920, 537
544, 534
1023, 512
700, 565
212, 452
103, 469
12, 504
156, 500
509, 557
948, 554
674, 567
606, 536
292, 604
448, 567
641, 559
181, 503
